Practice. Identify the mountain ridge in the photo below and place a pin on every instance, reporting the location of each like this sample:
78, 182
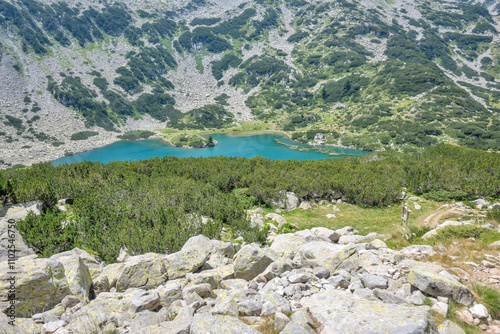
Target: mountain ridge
369, 74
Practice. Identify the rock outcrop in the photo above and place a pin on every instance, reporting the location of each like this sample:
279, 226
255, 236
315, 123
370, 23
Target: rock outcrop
306, 282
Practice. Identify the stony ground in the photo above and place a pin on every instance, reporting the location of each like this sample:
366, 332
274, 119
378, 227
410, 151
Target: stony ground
311, 281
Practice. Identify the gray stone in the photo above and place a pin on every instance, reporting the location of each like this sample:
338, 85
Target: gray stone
52, 326
440, 308
40, 285
292, 201
366, 316
436, 285
252, 307
365, 294
299, 278
268, 308
287, 244
295, 327
180, 325
325, 234
376, 244
347, 239
338, 281
78, 275
373, 281
418, 251
280, 321
203, 290
277, 268
233, 284
304, 206
388, 296
355, 285
70, 301
321, 272
250, 262
449, 327
280, 302
277, 218
169, 293
148, 300
325, 254
220, 324
141, 271
188, 260
417, 298
347, 230
146, 319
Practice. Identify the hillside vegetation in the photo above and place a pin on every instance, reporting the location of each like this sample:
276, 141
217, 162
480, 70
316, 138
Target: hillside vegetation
372, 74
157, 204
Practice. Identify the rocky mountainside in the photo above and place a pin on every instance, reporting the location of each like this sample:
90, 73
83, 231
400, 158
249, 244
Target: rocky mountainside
311, 281
368, 74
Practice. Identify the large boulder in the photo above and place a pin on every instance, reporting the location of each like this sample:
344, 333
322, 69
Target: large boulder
439, 285
250, 262
145, 271
40, 284
94, 264
289, 243
328, 255
340, 312
90, 317
220, 324
180, 325
16, 212
108, 277
188, 260
78, 275
292, 201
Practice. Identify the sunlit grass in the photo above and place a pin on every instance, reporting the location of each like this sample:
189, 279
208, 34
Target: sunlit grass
382, 220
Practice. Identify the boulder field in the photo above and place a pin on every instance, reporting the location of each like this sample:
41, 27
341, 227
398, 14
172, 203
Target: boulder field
304, 282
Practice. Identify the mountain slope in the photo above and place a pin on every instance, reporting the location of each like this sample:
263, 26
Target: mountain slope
368, 74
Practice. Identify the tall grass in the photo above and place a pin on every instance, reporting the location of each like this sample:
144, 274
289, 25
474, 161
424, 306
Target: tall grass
489, 296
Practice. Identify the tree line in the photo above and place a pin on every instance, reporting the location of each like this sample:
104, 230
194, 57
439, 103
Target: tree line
155, 205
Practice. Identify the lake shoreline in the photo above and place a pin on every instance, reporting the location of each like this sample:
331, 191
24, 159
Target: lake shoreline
274, 145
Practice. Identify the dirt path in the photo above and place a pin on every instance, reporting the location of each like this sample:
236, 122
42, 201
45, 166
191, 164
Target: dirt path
433, 219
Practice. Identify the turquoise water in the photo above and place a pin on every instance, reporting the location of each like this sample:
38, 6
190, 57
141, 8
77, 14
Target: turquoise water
273, 146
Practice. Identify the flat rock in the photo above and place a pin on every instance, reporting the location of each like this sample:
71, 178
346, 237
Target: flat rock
144, 271
436, 284
366, 316
220, 324
373, 281
40, 285
287, 243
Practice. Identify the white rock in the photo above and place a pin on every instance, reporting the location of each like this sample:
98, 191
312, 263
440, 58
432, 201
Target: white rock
440, 308
479, 311
52, 326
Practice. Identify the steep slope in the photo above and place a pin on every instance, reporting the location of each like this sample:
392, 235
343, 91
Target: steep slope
368, 74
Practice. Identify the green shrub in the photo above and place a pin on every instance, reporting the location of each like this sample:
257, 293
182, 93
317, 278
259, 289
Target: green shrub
485, 235
46, 234
494, 215
136, 135
445, 196
82, 135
